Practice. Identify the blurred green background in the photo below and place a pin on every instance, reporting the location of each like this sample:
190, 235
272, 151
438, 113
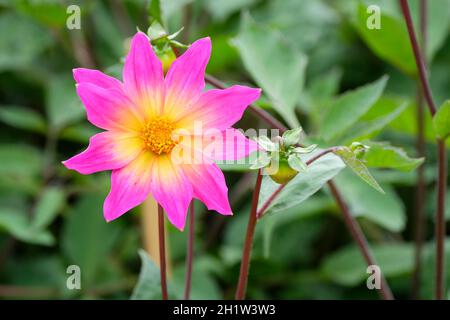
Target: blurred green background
51, 217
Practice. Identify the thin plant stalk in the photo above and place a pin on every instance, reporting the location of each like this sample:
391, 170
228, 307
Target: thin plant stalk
441, 155
162, 252
420, 147
274, 123
246, 253
359, 238
190, 251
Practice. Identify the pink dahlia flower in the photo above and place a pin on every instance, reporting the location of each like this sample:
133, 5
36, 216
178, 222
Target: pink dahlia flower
141, 117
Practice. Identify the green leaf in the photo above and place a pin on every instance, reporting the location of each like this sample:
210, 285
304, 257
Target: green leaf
275, 66
81, 132
220, 9
22, 118
203, 286
50, 204
87, 239
20, 167
358, 167
441, 121
302, 150
383, 155
304, 185
390, 42
156, 31
171, 8
314, 205
51, 13
63, 105
22, 44
292, 137
384, 111
148, 286
350, 107
262, 161
18, 224
347, 266
386, 210
296, 163
267, 144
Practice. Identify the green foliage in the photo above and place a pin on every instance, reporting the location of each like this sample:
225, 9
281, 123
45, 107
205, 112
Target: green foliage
49, 205
22, 118
148, 286
441, 121
386, 209
302, 186
358, 167
264, 53
347, 267
349, 107
383, 155
87, 238
389, 42
63, 105
22, 44
383, 112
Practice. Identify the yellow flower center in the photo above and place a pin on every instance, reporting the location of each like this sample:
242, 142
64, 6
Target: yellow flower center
157, 135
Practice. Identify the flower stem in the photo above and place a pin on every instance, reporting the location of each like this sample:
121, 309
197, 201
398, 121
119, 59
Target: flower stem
245, 264
442, 156
420, 147
359, 238
162, 252
190, 251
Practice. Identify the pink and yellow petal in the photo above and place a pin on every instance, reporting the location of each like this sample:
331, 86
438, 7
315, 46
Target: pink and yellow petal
171, 189
185, 79
95, 77
218, 145
208, 183
130, 186
143, 77
109, 109
106, 151
233, 145
218, 108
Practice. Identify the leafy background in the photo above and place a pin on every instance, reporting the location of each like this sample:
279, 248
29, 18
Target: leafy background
306, 55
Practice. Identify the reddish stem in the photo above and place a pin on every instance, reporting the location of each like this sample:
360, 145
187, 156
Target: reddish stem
245, 264
162, 252
190, 251
420, 146
442, 156
358, 237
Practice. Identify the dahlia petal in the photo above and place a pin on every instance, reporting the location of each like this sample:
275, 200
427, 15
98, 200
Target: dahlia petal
130, 186
143, 76
185, 79
106, 151
171, 189
208, 183
233, 146
229, 144
97, 78
218, 108
108, 109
